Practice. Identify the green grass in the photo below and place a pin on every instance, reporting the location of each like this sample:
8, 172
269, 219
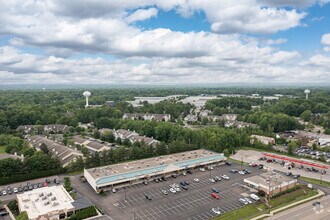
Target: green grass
2, 149
253, 210
247, 210
315, 181
236, 161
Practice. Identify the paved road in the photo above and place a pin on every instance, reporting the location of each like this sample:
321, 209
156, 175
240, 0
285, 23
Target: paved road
306, 211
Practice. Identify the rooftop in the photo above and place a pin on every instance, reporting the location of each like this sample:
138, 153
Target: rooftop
156, 164
275, 179
44, 200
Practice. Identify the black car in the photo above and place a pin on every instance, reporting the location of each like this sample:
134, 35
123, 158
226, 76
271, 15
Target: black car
184, 187
163, 178
148, 197
47, 181
189, 172
228, 163
187, 183
20, 189
296, 176
246, 171
173, 175
288, 174
316, 203
182, 183
25, 188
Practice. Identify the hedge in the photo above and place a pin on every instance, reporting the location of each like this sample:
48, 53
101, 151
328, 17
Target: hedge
85, 213
30, 176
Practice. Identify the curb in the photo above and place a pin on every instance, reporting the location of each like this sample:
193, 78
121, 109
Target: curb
320, 194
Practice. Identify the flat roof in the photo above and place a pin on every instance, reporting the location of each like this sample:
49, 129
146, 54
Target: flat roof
159, 164
44, 200
276, 179
293, 160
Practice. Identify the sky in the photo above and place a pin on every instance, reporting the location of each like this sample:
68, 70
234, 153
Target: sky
156, 42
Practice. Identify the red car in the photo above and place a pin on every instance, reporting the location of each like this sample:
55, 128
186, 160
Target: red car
215, 196
44, 184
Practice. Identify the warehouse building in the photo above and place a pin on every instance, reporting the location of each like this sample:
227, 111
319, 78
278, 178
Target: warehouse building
271, 183
46, 203
124, 174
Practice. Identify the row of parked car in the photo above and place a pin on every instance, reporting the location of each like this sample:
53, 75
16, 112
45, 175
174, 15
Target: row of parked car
29, 186
315, 154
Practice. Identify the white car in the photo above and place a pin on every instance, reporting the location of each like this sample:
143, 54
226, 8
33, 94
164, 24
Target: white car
114, 190
177, 189
254, 197
184, 173
210, 168
196, 180
15, 190
248, 200
172, 190
241, 172
202, 169
164, 192
4, 192
212, 180
225, 177
243, 201
216, 211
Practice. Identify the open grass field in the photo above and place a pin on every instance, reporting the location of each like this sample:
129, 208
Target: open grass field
315, 181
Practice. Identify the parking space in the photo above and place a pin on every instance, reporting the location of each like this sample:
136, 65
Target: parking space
195, 203
8, 192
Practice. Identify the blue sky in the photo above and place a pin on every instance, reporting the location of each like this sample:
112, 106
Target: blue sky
164, 42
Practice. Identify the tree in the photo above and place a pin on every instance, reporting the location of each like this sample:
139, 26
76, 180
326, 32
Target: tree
306, 115
44, 148
22, 216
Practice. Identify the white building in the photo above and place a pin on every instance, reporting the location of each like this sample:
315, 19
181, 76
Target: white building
263, 139
46, 203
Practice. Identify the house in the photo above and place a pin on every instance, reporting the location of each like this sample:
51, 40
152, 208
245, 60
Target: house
263, 139
52, 128
133, 137
91, 144
110, 103
239, 124
147, 117
64, 153
191, 118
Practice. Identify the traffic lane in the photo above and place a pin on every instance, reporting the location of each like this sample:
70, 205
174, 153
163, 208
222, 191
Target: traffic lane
306, 211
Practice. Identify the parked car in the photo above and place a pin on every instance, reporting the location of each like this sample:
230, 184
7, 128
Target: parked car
217, 178
20, 189
164, 192
148, 197
214, 195
44, 184
216, 190
189, 171
172, 190
196, 180
248, 200
40, 185
57, 181
145, 182
114, 190
254, 197
233, 171
47, 181
216, 210
241, 172
4, 192
228, 163
212, 180
246, 171
243, 201
184, 187
225, 177
202, 169
15, 190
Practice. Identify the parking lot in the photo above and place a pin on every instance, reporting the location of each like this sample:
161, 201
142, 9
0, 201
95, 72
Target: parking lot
194, 203
253, 156
9, 189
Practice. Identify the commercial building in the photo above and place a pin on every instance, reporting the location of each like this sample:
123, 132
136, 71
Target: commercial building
46, 203
271, 183
64, 153
91, 144
124, 174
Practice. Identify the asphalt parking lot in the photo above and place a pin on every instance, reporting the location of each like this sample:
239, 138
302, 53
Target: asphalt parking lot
194, 203
9, 197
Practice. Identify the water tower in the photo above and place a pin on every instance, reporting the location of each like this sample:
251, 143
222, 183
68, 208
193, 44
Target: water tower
86, 94
307, 91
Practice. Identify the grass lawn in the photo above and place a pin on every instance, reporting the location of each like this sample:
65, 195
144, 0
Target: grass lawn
315, 181
247, 210
253, 210
236, 161
2, 149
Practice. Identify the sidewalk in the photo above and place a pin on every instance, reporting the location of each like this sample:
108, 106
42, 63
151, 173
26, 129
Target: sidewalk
320, 194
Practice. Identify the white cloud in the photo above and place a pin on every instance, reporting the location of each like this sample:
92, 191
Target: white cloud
142, 14
325, 39
276, 41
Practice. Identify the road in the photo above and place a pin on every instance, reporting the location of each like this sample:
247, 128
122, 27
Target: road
306, 211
